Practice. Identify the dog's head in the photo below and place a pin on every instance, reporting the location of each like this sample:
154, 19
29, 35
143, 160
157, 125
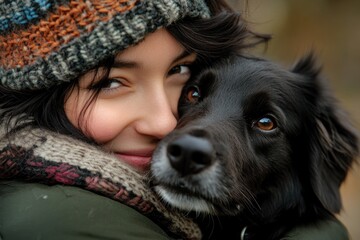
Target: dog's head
253, 136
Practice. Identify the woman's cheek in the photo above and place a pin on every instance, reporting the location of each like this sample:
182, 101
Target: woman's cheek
103, 125
173, 94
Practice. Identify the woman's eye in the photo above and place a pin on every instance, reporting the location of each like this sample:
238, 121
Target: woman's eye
112, 84
108, 84
180, 69
265, 124
193, 94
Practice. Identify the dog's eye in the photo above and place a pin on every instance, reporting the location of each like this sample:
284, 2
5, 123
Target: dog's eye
192, 94
265, 123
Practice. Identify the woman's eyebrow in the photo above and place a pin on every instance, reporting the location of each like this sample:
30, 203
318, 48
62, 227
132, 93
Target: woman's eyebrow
119, 63
182, 55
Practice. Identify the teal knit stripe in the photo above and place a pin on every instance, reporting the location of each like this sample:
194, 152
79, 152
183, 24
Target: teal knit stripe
19, 13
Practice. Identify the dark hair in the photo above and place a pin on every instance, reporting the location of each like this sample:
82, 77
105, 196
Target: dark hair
219, 36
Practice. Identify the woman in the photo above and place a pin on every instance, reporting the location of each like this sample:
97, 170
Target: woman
87, 90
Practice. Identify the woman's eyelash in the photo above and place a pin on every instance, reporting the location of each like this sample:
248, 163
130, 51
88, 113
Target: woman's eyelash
181, 69
105, 83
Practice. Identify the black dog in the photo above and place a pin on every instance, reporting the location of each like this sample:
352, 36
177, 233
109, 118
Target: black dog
264, 146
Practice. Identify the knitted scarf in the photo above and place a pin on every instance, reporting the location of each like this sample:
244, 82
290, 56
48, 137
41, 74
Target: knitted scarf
37, 155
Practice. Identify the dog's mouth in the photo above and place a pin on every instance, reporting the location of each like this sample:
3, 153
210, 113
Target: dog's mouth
184, 199
187, 200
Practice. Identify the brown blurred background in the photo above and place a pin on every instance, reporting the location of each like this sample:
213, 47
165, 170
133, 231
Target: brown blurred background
332, 29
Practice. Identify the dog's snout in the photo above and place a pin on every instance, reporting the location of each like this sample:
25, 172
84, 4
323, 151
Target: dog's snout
190, 154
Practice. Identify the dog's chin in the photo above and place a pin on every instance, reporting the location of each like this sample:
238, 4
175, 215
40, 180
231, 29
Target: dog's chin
184, 201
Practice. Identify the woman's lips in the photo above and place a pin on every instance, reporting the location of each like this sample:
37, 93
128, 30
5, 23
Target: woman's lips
139, 159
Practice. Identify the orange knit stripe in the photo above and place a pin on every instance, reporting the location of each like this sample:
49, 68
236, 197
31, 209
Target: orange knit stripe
66, 23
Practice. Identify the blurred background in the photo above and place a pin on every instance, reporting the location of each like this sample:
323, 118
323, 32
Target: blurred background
332, 29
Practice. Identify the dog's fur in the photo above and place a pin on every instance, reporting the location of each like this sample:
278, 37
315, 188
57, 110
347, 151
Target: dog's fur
267, 180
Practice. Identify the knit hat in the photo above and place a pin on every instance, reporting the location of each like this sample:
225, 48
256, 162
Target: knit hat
47, 42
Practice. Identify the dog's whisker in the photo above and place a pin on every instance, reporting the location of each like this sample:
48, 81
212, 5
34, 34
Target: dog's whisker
253, 200
252, 206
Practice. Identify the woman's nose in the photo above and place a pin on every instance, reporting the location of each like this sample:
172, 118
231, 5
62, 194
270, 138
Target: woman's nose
158, 117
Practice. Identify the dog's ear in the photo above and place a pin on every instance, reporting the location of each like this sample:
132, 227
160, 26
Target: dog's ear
334, 142
308, 67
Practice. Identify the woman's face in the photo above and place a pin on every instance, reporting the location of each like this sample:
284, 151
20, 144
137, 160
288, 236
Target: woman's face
137, 104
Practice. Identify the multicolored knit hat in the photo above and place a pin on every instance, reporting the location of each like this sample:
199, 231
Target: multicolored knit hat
47, 42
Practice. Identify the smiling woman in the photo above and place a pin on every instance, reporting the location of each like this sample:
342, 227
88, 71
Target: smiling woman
88, 88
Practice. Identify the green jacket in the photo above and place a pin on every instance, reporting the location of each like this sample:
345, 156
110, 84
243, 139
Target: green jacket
30, 211
35, 211
120, 205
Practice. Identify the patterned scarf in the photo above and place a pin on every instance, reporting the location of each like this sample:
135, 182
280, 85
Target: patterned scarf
37, 155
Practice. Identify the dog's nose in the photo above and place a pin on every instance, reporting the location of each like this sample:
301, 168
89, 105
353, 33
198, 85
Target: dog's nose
189, 154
